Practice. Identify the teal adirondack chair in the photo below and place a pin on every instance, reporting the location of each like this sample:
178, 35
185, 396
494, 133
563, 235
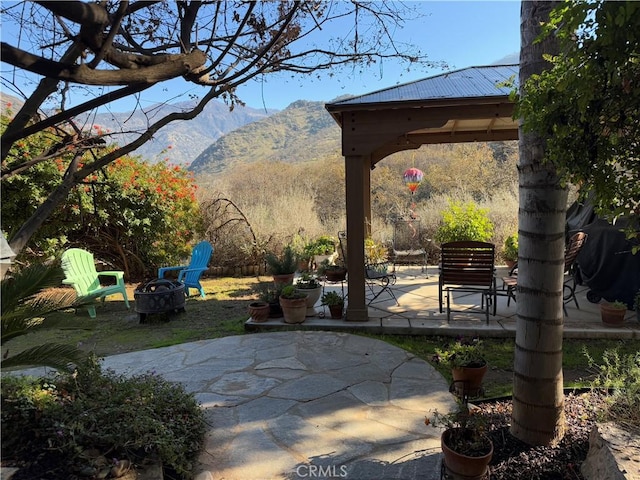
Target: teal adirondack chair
190, 274
80, 272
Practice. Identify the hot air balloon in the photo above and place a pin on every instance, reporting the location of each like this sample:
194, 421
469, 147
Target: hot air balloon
412, 177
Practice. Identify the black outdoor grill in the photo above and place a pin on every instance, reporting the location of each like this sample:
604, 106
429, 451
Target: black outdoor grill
159, 296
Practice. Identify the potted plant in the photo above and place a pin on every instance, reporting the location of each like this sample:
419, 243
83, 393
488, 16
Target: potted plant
510, 250
376, 256
283, 267
335, 302
271, 296
309, 285
294, 304
333, 273
321, 249
299, 246
466, 448
467, 363
259, 311
612, 314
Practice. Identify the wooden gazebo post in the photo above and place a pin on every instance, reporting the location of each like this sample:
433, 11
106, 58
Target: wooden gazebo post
358, 194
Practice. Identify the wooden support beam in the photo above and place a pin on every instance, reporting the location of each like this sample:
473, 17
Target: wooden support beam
363, 132
358, 181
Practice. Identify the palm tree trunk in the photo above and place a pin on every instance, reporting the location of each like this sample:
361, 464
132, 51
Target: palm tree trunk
538, 400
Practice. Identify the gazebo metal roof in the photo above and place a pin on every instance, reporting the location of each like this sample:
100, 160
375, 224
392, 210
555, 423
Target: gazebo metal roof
471, 82
467, 105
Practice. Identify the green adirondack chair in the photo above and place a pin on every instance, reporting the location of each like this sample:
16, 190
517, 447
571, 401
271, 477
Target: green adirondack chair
190, 274
80, 272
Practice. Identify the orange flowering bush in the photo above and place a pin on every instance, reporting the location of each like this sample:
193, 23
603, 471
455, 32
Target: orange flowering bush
131, 213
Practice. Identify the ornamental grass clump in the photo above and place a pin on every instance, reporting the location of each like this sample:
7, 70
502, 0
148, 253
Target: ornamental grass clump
617, 382
116, 417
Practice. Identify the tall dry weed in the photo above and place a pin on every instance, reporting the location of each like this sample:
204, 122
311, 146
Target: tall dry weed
283, 201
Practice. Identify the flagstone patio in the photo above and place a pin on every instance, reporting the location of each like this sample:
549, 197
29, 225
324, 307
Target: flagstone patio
419, 313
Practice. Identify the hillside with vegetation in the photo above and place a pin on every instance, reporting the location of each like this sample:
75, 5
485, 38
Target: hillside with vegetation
303, 132
260, 206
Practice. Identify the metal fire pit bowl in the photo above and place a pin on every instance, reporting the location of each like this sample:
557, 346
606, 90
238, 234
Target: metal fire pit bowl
159, 296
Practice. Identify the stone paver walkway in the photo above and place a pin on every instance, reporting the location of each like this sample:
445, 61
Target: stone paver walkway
294, 405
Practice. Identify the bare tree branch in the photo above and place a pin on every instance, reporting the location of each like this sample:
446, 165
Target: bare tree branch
137, 44
171, 67
112, 33
72, 112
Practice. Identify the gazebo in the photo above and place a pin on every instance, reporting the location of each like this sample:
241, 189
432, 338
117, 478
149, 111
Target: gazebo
467, 105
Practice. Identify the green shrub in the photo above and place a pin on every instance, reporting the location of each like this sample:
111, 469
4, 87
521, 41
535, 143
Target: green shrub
464, 222
323, 245
510, 248
117, 416
618, 378
285, 263
137, 215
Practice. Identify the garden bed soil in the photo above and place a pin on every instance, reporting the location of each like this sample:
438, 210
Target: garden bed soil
514, 459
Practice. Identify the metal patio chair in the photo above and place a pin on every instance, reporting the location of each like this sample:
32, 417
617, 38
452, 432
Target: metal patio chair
575, 243
407, 248
376, 275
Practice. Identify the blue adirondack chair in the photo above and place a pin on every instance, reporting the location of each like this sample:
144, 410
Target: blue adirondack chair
190, 274
80, 272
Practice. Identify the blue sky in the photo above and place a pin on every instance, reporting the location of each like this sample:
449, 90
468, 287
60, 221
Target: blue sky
460, 33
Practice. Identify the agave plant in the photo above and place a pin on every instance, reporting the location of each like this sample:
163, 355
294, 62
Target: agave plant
26, 302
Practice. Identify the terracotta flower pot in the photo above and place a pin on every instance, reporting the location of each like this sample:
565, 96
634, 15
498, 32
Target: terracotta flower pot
284, 279
336, 311
611, 316
294, 310
467, 381
259, 311
464, 466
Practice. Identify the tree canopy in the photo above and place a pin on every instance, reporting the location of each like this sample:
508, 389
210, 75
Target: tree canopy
588, 103
118, 49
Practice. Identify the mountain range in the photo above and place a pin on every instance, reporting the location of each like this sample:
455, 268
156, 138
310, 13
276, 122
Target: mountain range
304, 131
219, 137
187, 138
